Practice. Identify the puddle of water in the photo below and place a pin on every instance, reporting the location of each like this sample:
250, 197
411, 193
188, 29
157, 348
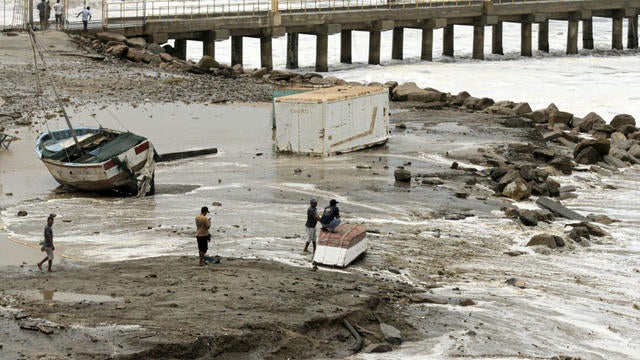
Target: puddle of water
68, 297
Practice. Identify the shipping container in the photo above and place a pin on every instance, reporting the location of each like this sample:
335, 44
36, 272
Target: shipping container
332, 120
285, 91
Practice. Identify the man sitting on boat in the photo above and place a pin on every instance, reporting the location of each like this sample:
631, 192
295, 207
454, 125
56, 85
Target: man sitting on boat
330, 217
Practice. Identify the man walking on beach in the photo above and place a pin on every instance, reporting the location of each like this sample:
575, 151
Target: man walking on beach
331, 217
48, 244
203, 223
42, 12
86, 16
57, 9
312, 220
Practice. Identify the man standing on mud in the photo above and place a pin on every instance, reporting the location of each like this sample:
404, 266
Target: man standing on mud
203, 223
48, 244
331, 217
312, 220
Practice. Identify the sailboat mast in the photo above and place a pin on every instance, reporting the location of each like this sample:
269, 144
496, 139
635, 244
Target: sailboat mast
53, 86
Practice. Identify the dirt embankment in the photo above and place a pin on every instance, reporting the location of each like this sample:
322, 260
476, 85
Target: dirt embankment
237, 309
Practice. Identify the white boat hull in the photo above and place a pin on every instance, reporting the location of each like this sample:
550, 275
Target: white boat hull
129, 171
341, 248
102, 176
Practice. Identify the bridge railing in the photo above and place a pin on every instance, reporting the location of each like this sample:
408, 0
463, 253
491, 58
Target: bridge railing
132, 13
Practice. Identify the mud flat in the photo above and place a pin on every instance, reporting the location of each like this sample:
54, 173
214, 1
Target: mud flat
169, 307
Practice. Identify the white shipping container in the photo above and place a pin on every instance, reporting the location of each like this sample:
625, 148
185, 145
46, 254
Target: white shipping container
332, 120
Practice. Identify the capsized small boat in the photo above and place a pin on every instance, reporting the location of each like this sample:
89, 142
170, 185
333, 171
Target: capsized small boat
342, 247
97, 159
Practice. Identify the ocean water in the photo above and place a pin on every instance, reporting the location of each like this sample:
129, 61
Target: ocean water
581, 301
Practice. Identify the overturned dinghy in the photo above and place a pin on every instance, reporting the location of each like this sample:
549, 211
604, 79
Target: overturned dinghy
342, 247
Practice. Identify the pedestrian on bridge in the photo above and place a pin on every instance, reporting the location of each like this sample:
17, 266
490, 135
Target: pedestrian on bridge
86, 16
57, 9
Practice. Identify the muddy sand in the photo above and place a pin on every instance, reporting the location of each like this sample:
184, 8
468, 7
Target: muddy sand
169, 307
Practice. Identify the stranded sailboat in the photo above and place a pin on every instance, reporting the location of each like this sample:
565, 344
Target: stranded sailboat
95, 159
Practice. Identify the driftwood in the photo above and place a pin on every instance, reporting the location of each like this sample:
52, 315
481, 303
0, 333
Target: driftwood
558, 208
89, 56
185, 154
354, 333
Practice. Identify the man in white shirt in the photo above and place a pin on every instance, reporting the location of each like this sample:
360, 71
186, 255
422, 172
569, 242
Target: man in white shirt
57, 9
86, 16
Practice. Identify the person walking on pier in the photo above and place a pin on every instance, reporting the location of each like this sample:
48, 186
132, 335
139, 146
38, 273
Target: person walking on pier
47, 15
203, 223
86, 16
312, 220
42, 12
48, 244
57, 9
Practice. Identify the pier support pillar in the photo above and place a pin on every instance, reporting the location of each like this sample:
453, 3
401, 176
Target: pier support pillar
543, 36
616, 32
632, 32
426, 53
266, 51
322, 46
398, 43
181, 49
496, 39
374, 47
345, 46
587, 34
447, 40
526, 46
208, 44
572, 36
292, 50
236, 50
478, 42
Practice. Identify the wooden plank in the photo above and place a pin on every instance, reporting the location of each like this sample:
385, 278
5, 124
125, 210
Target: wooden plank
557, 208
185, 154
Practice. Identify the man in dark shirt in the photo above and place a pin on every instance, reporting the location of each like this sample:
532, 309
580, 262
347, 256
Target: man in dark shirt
312, 220
42, 13
48, 244
331, 217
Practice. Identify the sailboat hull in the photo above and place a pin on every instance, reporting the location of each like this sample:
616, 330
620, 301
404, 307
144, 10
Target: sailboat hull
122, 171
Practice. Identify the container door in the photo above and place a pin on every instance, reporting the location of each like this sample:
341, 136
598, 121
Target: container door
311, 128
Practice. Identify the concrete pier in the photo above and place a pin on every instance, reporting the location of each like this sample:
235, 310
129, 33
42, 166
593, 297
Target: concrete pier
447, 40
266, 52
616, 32
478, 42
543, 36
526, 46
496, 39
397, 44
587, 34
374, 47
426, 52
181, 48
292, 51
322, 46
632, 32
345, 46
572, 34
209, 44
236, 50
323, 19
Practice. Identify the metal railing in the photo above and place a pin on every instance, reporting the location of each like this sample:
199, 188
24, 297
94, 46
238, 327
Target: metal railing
144, 10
